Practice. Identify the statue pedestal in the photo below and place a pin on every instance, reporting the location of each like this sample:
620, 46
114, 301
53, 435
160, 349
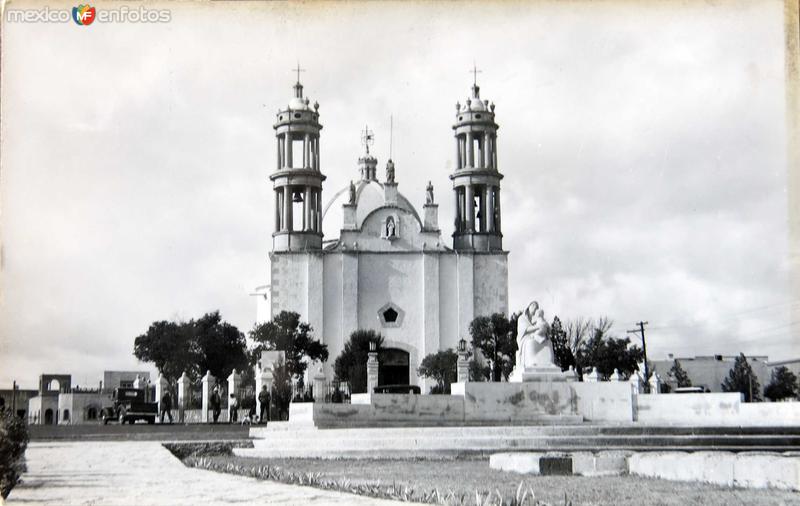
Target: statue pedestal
531, 374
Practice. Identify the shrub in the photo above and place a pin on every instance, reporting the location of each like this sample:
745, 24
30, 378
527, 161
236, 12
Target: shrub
13, 441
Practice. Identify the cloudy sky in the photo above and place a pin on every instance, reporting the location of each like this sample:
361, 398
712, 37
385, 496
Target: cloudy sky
643, 147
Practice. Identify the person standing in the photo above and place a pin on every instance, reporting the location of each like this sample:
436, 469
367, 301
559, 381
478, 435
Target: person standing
233, 409
263, 399
166, 406
216, 403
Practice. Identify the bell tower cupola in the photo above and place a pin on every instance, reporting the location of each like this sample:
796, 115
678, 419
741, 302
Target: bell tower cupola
297, 180
476, 180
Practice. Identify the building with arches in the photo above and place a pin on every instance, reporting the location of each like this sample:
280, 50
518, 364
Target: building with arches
390, 269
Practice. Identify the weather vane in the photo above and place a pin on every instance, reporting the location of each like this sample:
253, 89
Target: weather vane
298, 70
367, 138
475, 73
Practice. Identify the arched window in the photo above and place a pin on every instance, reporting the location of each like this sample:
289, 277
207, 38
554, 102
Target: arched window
54, 386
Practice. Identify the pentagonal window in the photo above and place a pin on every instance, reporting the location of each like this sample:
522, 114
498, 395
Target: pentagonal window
390, 315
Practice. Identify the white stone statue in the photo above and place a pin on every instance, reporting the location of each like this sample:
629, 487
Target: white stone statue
535, 358
535, 348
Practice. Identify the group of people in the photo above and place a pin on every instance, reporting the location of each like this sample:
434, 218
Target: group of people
233, 407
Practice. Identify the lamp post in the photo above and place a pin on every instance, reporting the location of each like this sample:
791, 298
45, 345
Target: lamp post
372, 367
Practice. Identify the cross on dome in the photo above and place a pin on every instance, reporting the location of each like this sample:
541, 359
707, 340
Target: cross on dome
475, 73
298, 70
367, 138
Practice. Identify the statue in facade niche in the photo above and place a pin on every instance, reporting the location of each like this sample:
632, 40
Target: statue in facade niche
352, 198
390, 227
534, 348
429, 193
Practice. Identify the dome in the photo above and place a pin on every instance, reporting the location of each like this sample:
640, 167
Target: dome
474, 104
369, 197
298, 103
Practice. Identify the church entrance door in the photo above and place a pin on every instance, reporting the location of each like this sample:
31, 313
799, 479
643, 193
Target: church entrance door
393, 367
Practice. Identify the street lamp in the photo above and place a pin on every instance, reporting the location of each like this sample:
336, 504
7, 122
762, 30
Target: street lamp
462, 345
372, 346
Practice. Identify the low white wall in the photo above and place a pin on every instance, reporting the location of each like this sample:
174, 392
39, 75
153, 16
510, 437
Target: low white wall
688, 409
605, 401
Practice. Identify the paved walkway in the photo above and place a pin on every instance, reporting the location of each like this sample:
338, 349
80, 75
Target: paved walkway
145, 473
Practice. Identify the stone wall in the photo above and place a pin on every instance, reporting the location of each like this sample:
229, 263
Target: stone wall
605, 401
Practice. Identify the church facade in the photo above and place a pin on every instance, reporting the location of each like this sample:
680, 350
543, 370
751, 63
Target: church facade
390, 269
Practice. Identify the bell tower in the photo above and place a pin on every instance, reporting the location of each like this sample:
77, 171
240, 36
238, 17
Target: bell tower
476, 180
297, 180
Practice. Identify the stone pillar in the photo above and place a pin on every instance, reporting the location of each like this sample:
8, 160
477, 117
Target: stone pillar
316, 151
489, 150
208, 385
634, 380
183, 395
319, 384
319, 210
462, 367
490, 208
592, 376
494, 152
307, 209
655, 384
497, 223
277, 211
162, 385
470, 151
470, 204
616, 376
349, 211
457, 161
430, 216
287, 208
372, 371
234, 383
484, 199
306, 162
288, 149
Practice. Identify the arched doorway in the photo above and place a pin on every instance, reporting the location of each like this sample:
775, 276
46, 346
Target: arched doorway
48, 417
91, 413
65, 418
393, 367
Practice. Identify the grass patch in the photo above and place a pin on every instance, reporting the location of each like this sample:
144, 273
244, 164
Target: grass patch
471, 481
208, 449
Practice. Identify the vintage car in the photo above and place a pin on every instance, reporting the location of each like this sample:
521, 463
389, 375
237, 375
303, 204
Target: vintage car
129, 406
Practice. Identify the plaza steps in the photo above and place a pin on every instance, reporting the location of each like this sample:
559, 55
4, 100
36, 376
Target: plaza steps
285, 440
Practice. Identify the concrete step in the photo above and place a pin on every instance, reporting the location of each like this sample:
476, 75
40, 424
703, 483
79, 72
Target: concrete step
446, 454
286, 430
423, 442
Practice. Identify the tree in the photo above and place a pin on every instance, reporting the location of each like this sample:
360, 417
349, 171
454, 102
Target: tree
171, 346
351, 364
606, 354
441, 367
193, 347
782, 385
496, 338
681, 378
576, 350
285, 332
741, 379
562, 353
478, 371
221, 347
281, 394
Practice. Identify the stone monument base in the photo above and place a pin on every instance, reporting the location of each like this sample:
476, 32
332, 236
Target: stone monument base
550, 374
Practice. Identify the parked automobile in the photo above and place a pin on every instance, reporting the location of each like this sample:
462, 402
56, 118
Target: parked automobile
129, 406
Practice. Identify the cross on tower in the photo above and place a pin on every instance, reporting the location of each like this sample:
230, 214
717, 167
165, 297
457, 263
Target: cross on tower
298, 70
475, 73
367, 137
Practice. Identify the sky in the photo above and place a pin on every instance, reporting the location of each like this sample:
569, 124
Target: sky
643, 147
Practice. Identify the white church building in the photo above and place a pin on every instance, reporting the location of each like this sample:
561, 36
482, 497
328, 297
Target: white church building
390, 269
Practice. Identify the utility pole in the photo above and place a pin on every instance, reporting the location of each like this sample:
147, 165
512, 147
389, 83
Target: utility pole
644, 352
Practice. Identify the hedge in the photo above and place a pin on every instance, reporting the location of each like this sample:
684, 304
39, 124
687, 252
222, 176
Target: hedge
13, 441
